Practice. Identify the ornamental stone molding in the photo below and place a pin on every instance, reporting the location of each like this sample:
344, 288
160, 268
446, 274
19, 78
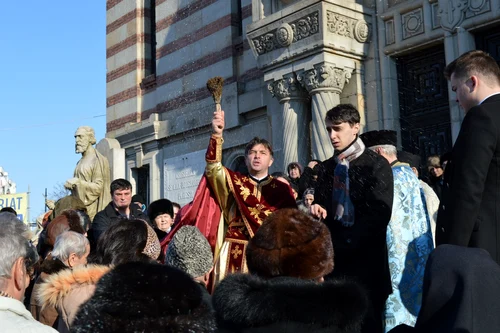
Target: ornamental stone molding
390, 36
362, 31
339, 24
347, 27
311, 28
305, 27
413, 23
452, 12
325, 76
287, 34
284, 35
286, 89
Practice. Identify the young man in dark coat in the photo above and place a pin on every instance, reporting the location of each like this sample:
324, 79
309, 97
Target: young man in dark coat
354, 195
469, 213
285, 290
120, 207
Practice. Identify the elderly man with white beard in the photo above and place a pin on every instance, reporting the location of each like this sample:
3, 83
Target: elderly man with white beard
90, 182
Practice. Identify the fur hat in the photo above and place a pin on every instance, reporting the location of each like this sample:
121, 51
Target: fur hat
290, 243
190, 252
142, 297
379, 138
248, 303
160, 207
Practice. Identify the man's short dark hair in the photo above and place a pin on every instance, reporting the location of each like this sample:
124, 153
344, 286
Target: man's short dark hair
473, 63
343, 113
175, 204
258, 141
120, 184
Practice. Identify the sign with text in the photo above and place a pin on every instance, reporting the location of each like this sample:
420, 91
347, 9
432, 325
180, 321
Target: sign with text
182, 175
18, 202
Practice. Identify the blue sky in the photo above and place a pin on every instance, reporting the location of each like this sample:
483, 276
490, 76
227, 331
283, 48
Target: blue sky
53, 80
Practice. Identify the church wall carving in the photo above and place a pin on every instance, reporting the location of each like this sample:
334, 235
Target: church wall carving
426, 21
283, 38
287, 33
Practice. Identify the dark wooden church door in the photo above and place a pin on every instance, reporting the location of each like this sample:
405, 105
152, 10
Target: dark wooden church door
489, 41
423, 102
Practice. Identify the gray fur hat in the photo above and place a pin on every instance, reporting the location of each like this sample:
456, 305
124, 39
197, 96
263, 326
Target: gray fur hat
190, 252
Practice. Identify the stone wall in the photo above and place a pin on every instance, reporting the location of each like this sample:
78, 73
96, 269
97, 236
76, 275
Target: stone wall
285, 63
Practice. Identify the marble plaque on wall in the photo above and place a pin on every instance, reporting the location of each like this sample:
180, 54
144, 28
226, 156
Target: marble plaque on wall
182, 175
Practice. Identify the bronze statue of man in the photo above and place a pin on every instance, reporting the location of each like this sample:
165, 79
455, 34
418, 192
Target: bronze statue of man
90, 182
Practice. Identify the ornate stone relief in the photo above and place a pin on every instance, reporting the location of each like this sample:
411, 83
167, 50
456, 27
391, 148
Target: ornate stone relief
287, 34
324, 76
477, 7
435, 15
286, 88
284, 35
361, 31
389, 32
453, 12
339, 24
413, 23
305, 27
347, 27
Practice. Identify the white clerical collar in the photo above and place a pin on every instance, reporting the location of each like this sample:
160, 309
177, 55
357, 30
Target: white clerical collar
259, 179
488, 97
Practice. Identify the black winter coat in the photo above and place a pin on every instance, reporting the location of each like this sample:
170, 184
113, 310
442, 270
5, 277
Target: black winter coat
361, 250
469, 213
109, 216
247, 303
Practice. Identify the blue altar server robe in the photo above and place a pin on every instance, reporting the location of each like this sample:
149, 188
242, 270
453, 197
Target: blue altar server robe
409, 243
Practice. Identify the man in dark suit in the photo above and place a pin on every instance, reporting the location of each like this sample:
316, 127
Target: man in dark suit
469, 213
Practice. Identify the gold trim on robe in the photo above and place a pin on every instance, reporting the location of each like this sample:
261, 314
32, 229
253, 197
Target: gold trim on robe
245, 204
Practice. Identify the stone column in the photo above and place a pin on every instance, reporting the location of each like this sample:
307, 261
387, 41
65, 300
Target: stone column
324, 83
295, 125
111, 149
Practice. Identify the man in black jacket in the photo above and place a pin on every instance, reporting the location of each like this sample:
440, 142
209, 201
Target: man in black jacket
120, 207
354, 194
469, 213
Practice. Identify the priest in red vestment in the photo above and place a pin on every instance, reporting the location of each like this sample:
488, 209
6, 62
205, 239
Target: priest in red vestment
245, 200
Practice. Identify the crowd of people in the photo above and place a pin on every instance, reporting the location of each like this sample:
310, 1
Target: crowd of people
356, 243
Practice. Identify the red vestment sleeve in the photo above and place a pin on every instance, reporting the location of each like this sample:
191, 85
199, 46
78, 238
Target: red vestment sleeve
203, 212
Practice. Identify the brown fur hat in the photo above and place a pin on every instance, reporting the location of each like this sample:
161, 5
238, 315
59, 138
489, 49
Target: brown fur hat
290, 243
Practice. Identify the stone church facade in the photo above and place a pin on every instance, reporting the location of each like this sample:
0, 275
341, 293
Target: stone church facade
285, 64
